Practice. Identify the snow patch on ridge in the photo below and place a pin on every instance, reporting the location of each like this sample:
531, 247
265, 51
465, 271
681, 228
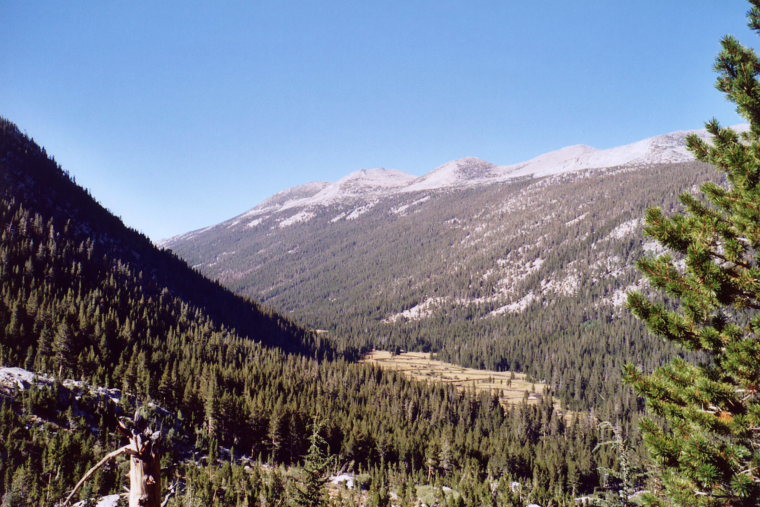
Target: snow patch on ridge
401, 210
577, 219
337, 218
518, 306
620, 296
362, 184
625, 229
417, 312
356, 213
568, 286
301, 216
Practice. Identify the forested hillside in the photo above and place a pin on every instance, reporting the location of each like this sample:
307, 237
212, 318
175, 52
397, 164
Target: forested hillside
85, 298
528, 274
55, 205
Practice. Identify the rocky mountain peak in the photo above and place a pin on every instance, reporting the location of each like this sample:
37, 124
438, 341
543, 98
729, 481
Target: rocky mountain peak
455, 173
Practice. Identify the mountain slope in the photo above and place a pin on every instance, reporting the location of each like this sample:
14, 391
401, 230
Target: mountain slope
524, 272
34, 182
85, 299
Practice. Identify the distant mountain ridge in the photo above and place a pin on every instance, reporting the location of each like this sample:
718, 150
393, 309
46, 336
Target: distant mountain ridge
373, 184
523, 267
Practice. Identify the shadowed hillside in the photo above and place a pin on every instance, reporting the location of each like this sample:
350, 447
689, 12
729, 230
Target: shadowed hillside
34, 182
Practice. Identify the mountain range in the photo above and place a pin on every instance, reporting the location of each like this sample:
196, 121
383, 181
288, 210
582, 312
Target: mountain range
521, 267
380, 183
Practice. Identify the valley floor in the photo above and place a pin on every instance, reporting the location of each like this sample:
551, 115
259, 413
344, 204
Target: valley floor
511, 387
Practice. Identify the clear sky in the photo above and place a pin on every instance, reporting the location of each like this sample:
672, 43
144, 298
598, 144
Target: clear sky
180, 114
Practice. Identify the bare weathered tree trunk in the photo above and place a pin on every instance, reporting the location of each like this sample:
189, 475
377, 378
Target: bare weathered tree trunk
144, 465
144, 470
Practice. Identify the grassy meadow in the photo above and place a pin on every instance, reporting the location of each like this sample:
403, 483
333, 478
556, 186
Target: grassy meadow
510, 387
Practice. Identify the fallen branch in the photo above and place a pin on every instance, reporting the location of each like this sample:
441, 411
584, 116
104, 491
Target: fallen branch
118, 452
170, 494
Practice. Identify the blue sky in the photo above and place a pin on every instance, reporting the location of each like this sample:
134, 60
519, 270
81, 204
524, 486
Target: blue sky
177, 115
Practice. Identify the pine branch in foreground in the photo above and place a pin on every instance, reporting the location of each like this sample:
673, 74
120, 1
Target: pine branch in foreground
704, 436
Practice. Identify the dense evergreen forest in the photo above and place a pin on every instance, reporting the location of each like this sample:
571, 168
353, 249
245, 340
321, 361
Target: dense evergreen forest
562, 247
238, 386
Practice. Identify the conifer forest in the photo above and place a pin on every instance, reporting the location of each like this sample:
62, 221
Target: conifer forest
225, 368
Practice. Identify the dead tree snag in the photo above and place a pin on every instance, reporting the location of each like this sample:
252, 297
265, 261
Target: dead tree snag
144, 464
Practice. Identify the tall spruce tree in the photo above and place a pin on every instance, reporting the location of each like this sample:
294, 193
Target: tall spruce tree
704, 433
311, 492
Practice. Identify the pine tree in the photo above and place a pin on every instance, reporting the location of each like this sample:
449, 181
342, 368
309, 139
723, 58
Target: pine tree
276, 432
311, 490
211, 404
379, 495
63, 348
705, 433
626, 477
274, 489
